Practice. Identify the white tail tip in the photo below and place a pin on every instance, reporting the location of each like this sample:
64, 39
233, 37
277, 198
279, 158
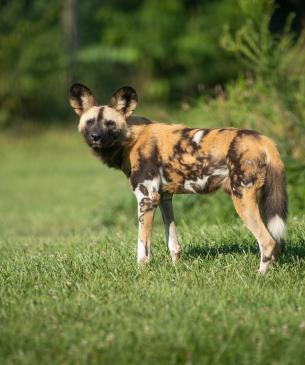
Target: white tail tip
277, 227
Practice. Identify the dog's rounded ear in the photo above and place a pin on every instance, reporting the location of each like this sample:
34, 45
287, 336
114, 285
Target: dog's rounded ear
124, 100
81, 98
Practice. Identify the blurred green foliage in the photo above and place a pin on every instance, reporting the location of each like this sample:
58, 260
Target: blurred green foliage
169, 48
32, 59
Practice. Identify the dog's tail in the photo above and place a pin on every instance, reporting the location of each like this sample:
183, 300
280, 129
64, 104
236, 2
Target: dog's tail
274, 201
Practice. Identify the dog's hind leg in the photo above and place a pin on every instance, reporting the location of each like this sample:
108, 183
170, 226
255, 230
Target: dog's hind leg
247, 208
166, 207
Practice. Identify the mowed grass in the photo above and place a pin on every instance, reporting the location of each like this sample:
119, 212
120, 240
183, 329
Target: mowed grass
71, 292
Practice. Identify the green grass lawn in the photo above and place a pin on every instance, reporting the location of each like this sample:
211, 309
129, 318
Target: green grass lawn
71, 292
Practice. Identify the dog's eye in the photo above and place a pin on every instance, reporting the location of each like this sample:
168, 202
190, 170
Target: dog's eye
90, 122
110, 124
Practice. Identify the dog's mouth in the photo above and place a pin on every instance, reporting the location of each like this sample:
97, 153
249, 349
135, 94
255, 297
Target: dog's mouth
103, 146
96, 144
108, 144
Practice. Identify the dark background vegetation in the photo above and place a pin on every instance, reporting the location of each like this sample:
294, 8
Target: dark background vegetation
171, 50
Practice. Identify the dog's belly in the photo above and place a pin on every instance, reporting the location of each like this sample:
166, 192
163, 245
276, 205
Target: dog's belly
180, 183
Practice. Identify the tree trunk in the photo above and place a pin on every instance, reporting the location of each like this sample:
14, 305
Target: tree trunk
69, 26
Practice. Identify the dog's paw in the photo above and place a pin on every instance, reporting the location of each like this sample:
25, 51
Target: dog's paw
144, 260
176, 255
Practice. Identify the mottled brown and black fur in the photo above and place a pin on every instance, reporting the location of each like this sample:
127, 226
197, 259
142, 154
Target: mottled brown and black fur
161, 160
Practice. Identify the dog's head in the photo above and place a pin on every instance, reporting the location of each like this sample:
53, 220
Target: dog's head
103, 126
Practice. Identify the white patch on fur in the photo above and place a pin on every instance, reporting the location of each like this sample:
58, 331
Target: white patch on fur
173, 243
263, 267
222, 171
277, 227
197, 136
163, 180
91, 113
170, 229
249, 185
150, 185
249, 162
142, 255
199, 183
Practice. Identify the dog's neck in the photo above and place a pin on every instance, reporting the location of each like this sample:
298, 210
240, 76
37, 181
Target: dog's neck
112, 156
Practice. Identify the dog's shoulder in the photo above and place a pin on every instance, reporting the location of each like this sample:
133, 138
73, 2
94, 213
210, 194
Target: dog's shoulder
138, 120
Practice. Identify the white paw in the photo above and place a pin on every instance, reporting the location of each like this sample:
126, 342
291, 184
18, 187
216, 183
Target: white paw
143, 260
176, 254
263, 267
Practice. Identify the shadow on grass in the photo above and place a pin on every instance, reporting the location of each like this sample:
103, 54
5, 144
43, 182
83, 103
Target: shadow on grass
293, 251
198, 251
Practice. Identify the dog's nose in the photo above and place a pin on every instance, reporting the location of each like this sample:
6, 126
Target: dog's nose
95, 137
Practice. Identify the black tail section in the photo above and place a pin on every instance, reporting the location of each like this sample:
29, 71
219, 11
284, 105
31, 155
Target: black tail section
274, 202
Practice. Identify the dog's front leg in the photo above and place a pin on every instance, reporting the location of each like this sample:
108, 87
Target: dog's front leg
174, 247
148, 200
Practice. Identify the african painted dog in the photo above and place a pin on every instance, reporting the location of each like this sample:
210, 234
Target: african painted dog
161, 160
